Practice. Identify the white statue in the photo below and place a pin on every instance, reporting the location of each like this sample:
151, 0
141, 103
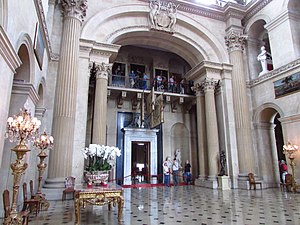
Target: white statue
154, 11
178, 157
172, 10
263, 57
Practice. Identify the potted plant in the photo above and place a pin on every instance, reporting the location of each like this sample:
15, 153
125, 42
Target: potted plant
100, 160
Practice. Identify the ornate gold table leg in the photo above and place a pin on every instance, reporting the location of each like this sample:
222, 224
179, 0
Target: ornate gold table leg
77, 210
14, 219
120, 208
44, 204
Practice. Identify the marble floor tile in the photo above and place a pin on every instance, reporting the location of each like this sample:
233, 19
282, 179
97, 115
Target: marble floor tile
184, 205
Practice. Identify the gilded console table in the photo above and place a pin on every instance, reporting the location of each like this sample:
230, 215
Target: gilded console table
112, 194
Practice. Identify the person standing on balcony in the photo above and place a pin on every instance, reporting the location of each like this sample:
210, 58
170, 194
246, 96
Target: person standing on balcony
145, 80
132, 78
172, 83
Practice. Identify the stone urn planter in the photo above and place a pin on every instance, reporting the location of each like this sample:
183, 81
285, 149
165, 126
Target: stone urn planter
97, 177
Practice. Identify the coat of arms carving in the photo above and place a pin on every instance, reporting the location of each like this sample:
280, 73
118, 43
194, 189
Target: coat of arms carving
163, 15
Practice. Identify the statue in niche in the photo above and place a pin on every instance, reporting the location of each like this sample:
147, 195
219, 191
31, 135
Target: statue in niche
263, 57
178, 156
223, 164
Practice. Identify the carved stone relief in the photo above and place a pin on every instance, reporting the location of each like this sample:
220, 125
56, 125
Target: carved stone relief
163, 15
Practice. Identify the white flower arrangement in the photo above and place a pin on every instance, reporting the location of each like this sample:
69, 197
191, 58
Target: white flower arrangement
100, 157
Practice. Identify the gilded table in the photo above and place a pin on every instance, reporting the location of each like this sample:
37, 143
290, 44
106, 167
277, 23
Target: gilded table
98, 195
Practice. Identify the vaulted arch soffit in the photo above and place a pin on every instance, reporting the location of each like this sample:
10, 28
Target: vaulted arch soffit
25, 40
266, 113
252, 28
129, 25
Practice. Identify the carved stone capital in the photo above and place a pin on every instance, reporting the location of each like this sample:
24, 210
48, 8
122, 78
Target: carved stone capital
209, 84
74, 8
235, 41
103, 70
198, 89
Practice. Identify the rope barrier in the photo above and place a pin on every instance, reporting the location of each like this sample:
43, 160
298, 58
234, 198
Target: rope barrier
145, 176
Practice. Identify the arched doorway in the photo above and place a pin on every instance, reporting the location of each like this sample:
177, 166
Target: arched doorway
269, 143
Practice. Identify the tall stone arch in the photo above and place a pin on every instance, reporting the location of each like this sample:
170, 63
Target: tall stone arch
267, 155
191, 40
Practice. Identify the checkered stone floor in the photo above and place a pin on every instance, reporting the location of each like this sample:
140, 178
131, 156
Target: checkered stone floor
184, 205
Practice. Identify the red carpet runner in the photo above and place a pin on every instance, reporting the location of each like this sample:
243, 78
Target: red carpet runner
145, 185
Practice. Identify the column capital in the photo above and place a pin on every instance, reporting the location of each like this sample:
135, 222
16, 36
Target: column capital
74, 8
235, 41
209, 84
103, 70
198, 89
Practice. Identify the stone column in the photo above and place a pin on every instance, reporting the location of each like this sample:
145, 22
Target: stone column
201, 134
60, 163
235, 43
100, 109
211, 127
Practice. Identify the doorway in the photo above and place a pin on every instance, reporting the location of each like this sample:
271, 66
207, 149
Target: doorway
140, 161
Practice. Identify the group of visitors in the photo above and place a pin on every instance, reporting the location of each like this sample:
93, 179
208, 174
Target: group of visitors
141, 80
138, 80
174, 168
174, 85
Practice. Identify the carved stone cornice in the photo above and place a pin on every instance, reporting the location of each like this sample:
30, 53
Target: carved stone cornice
235, 41
234, 11
252, 9
40, 112
8, 52
221, 12
24, 88
214, 12
103, 70
93, 50
205, 67
43, 24
74, 8
294, 65
290, 119
54, 56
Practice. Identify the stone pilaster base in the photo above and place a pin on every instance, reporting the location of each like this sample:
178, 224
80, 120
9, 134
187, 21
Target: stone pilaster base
210, 182
53, 188
243, 181
223, 183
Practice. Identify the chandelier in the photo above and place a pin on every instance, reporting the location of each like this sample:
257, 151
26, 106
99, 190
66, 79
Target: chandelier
44, 141
22, 127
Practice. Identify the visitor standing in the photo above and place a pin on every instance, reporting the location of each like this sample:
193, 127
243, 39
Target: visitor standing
175, 171
187, 172
167, 172
283, 170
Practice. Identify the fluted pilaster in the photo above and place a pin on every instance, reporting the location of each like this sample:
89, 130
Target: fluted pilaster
60, 164
235, 42
201, 134
100, 109
211, 126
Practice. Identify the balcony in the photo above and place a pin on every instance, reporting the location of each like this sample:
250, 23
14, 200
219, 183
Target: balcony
124, 88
